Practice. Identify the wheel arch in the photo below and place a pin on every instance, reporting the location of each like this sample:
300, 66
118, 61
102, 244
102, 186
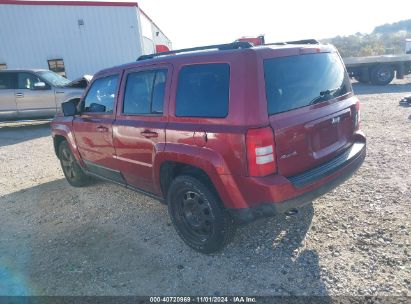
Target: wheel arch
222, 185
57, 140
206, 164
169, 170
61, 132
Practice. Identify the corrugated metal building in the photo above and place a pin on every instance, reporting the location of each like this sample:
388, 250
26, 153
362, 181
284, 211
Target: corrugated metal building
75, 38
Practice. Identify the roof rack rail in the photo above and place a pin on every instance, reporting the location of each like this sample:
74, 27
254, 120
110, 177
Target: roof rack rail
221, 47
304, 41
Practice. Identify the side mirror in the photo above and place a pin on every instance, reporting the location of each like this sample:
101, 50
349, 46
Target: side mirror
69, 108
40, 86
96, 107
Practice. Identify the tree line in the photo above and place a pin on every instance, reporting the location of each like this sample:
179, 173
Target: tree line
385, 39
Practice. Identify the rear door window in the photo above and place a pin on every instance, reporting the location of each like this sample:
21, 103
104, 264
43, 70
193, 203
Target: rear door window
298, 81
144, 93
203, 90
157, 102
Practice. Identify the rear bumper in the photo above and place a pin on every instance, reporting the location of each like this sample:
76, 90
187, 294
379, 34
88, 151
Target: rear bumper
317, 181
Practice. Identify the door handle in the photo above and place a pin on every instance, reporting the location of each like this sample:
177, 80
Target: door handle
102, 129
149, 134
19, 94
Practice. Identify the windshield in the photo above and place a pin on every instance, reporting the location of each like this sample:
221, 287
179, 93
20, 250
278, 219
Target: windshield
298, 81
54, 78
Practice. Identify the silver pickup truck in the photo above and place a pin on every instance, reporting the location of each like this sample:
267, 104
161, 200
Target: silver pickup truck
35, 93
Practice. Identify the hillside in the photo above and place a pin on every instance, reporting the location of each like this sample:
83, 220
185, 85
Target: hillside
385, 39
404, 25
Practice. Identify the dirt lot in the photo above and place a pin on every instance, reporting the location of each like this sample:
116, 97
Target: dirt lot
106, 240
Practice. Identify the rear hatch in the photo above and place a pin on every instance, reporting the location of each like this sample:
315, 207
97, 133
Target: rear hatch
311, 109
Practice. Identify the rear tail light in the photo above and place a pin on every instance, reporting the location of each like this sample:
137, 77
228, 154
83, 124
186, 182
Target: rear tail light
261, 152
357, 115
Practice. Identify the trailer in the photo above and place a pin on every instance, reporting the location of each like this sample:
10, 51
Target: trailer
74, 38
378, 70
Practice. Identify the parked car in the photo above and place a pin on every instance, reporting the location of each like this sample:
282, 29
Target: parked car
222, 134
35, 93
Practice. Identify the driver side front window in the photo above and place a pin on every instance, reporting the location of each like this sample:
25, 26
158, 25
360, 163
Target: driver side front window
27, 81
100, 98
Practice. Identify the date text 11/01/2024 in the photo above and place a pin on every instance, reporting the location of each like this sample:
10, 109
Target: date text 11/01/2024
198, 299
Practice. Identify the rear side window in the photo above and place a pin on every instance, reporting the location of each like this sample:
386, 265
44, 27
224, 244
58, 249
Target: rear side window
298, 81
7, 81
144, 93
203, 90
100, 98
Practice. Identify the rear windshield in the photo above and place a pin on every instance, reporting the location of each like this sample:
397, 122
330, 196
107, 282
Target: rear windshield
298, 81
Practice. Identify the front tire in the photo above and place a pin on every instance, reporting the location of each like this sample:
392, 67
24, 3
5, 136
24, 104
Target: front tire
71, 169
198, 216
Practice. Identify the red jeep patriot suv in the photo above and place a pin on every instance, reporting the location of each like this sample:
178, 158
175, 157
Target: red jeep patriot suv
222, 134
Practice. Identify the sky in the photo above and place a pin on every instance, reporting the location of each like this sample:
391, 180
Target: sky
189, 23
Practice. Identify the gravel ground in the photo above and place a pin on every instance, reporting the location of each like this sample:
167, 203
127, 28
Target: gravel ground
107, 240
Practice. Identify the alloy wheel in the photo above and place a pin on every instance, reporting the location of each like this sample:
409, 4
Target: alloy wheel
67, 162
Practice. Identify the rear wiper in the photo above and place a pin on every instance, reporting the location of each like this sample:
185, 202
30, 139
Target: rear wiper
318, 99
329, 92
324, 95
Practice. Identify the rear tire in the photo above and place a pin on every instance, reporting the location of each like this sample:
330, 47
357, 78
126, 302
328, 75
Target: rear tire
71, 169
382, 74
198, 216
